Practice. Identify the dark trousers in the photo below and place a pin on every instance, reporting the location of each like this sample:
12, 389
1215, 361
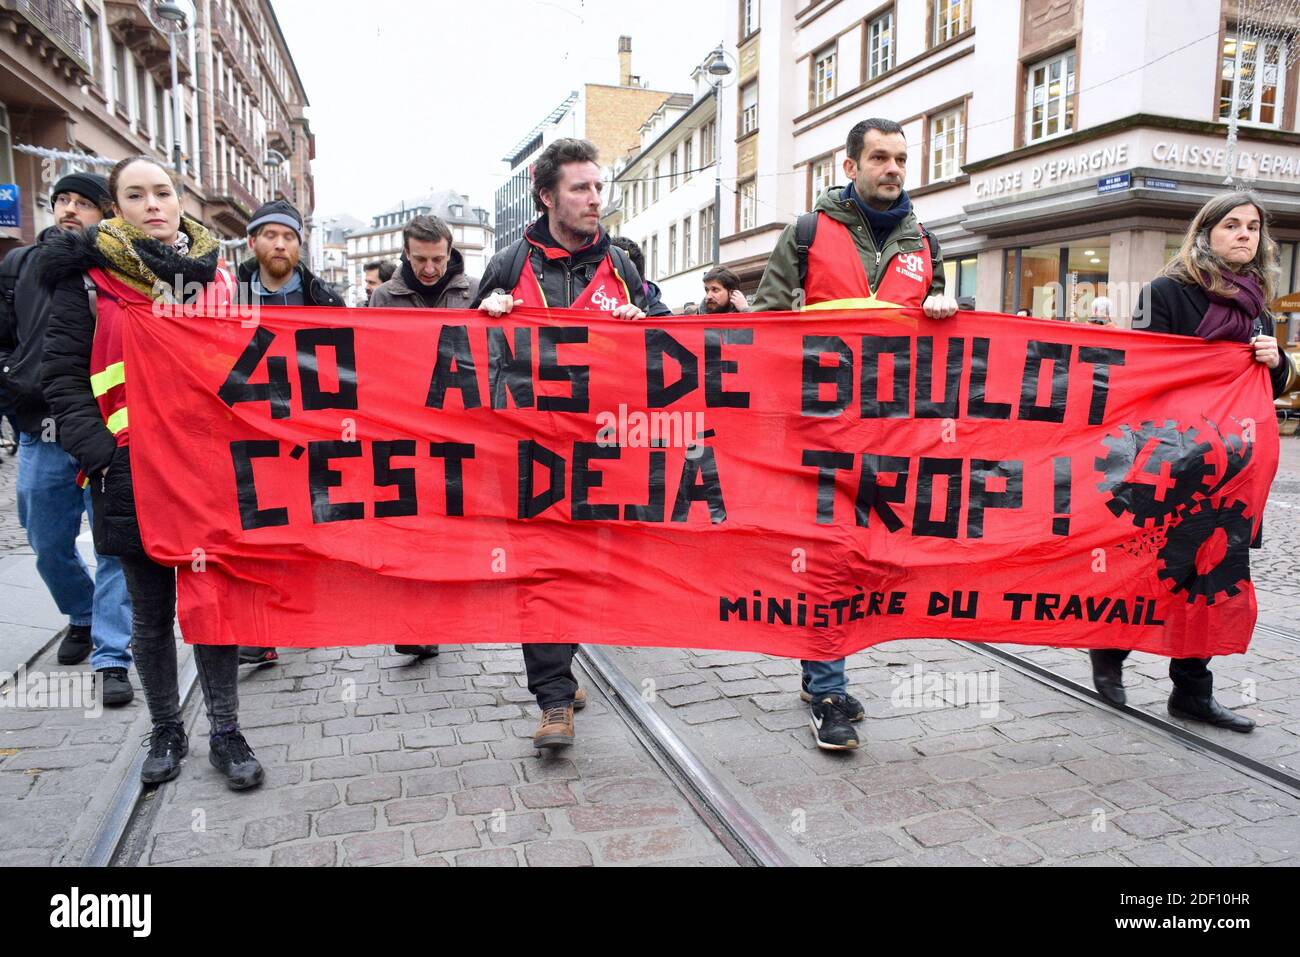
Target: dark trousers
1190, 675
550, 673
152, 588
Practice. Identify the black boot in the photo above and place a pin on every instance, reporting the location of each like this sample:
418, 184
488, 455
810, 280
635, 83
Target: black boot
1108, 676
231, 755
1205, 708
114, 687
75, 646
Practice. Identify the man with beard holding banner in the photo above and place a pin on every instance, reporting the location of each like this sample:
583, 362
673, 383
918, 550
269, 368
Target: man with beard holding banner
564, 261
861, 247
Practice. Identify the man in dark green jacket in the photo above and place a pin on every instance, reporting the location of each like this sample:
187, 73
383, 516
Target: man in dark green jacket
861, 247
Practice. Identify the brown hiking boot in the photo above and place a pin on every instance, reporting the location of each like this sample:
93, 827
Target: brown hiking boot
556, 729
579, 700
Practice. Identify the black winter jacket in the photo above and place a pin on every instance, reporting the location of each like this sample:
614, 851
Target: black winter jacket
24, 353
564, 278
65, 374
316, 291
1175, 308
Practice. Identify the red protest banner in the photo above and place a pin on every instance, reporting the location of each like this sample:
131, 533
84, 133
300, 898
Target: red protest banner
796, 485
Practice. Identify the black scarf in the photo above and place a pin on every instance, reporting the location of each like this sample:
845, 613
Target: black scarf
432, 294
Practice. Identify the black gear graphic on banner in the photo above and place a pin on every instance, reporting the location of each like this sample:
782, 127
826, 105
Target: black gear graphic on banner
1180, 449
1184, 540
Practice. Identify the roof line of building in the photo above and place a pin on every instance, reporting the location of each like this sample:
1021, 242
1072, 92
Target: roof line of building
551, 117
288, 53
656, 141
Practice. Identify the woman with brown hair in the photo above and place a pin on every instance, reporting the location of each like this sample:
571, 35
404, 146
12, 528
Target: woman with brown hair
1217, 289
149, 251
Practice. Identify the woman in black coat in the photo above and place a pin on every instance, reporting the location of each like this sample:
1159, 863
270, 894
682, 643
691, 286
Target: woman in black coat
1217, 288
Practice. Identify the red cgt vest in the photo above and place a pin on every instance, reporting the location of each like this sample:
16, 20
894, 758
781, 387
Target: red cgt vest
605, 293
836, 279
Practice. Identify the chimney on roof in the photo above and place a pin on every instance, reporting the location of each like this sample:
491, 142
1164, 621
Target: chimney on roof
625, 61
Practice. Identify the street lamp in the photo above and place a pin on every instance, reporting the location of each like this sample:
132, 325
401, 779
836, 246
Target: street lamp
719, 69
176, 19
274, 159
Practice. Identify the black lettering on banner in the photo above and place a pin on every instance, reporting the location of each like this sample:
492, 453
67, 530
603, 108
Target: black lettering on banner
343, 342
1018, 601
872, 496
1061, 482
827, 464
1058, 353
403, 479
454, 454
981, 470
532, 453
275, 389
658, 344
715, 367
709, 489
453, 349
548, 370
977, 406
508, 369
814, 374
242, 455
586, 478
1101, 360
322, 478
922, 524
947, 407
899, 405
653, 510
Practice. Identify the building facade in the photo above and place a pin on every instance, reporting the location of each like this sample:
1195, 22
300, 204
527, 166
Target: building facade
610, 117
663, 198
86, 82
471, 228
1058, 160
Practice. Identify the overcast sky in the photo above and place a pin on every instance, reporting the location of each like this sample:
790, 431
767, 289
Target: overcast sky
410, 97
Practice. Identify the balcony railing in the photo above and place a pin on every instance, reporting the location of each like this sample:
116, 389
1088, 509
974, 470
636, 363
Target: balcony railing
236, 191
238, 53
60, 21
227, 116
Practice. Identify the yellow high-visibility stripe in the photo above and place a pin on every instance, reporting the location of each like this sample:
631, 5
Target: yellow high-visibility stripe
858, 303
101, 382
117, 421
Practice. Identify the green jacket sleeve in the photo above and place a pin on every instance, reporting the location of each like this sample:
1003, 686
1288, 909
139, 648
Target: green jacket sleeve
779, 288
938, 281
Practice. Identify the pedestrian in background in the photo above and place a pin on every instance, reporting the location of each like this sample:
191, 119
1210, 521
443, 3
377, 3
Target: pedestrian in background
50, 503
722, 292
431, 274
377, 272
654, 297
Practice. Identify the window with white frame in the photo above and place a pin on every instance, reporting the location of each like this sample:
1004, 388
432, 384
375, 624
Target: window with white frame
672, 170
945, 144
687, 259
823, 77
672, 249
1259, 67
880, 45
654, 178
654, 256
748, 17
951, 17
748, 108
823, 177
688, 157
707, 216
708, 133
1050, 98
748, 211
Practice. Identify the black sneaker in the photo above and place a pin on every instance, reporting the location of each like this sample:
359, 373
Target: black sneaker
114, 687
167, 745
231, 755
420, 651
257, 656
852, 704
831, 726
75, 647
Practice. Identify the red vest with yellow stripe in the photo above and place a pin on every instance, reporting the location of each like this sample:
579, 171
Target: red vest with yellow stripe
836, 279
605, 293
107, 359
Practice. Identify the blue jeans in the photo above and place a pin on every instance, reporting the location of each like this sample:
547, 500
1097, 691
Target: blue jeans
825, 677
49, 507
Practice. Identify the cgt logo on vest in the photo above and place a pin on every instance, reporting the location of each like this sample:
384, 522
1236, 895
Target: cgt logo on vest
603, 300
910, 265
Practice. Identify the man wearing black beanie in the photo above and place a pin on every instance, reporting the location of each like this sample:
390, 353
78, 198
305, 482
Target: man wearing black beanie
50, 504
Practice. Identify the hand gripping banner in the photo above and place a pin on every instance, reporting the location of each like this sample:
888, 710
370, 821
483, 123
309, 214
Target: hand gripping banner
790, 484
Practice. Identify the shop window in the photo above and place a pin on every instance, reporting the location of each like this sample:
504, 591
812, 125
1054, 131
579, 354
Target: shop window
1059, 282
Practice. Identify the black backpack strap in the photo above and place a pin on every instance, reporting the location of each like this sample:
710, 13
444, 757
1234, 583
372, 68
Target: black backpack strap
10, 269
92, 294
931, 242
805, 231
522, 249
626, 268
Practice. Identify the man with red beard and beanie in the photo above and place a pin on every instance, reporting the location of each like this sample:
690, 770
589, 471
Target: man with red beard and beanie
275, 276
